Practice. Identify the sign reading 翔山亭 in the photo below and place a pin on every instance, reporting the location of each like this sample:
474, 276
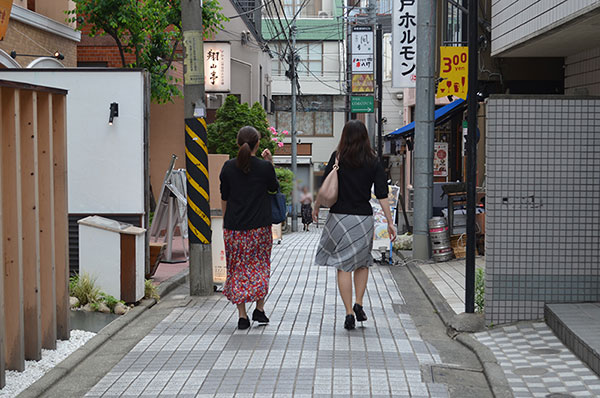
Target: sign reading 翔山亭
454, 72
217, 66
362, 104
404, 43
5, 7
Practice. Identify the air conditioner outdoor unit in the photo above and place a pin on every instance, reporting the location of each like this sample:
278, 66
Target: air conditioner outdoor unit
214, 101
323, 14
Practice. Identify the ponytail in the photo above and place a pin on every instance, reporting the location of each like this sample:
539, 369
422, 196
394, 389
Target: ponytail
247, 139
243, 158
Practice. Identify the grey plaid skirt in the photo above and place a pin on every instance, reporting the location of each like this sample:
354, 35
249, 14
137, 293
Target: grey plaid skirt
346, 242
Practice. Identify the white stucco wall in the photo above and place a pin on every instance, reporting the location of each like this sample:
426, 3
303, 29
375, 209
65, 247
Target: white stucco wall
517, 21
105, 163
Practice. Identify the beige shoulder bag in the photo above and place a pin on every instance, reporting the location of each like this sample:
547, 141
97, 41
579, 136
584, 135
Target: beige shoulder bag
328, 194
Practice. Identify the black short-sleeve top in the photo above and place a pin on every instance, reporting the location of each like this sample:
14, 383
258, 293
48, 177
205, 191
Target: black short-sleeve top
354, 190
247, 195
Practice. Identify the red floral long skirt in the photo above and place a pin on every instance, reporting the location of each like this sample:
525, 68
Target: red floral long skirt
248, 256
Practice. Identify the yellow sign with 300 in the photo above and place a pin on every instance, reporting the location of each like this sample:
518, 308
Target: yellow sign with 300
454, 72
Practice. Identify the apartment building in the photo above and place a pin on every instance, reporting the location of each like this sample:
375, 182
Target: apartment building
321, 101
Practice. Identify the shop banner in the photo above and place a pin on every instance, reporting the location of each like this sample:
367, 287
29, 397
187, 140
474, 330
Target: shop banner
454, 72
404, 44
381, 236
440, 159
5, 7
217, 67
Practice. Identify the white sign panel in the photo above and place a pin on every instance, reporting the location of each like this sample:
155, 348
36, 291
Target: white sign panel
217, 67
362, 63
362, 40
404, 43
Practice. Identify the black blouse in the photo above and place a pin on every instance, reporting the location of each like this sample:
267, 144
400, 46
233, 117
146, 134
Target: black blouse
354, 191
247, 195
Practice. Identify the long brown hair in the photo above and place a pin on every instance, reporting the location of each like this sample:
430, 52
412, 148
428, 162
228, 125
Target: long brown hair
247, 139
354, 148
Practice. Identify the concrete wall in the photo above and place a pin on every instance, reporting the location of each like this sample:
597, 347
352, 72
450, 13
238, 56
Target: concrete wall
582, 73
514, 22
543, 204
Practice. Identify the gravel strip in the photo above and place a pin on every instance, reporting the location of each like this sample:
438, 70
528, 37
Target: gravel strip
19, 381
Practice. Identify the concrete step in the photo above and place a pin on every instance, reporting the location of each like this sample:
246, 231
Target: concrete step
577, 325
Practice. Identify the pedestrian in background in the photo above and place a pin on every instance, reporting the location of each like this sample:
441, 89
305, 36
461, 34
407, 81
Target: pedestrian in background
347, 239
245, 185
306, 209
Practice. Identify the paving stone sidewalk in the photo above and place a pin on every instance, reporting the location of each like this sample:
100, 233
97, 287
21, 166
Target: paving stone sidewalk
535, 362
305, 351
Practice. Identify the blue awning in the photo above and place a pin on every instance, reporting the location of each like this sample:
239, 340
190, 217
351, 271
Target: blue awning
441, 116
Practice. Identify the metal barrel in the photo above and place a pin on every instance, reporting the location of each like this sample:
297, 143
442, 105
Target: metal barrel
440, 239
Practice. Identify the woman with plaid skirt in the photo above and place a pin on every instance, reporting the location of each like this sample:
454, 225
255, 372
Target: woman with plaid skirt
245, 185
347, 239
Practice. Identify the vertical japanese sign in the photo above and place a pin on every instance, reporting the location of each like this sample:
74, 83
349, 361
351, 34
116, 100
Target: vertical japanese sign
5, 7
363, 45
404, 43
217, 67
440, 159
454, 72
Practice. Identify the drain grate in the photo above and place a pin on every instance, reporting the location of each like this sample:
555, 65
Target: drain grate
530, 371
544, 351
559, 395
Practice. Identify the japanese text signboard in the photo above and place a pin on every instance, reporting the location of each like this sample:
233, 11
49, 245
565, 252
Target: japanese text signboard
217, 67
362, 40
5, 7
362, 59
362, 63
454, 72
404, 43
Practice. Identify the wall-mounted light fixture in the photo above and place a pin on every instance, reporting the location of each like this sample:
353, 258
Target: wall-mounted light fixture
56, 55
114, 112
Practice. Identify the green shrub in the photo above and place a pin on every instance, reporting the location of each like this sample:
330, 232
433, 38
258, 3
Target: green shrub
286, 182
150, 290
231, 117
84, 287
109, 300
479, 290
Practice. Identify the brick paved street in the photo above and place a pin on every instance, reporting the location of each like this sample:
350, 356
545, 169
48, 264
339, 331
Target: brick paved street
304, 351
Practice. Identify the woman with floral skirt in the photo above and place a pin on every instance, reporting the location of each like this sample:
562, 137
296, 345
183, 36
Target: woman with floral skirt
245, 185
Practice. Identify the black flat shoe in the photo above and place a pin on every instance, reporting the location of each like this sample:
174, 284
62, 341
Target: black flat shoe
360, 313
259, 316
243, 323
349, 323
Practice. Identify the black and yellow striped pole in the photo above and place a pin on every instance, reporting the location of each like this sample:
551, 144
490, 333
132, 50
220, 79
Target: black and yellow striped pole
196, 153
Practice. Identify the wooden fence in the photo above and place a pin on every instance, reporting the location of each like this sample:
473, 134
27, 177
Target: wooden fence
34, 297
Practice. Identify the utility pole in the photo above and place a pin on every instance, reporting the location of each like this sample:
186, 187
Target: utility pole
471, 157
379, 81
294, 80
424, 126
201, 277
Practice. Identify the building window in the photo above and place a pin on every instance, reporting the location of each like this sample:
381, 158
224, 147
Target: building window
314, 115
453, 33
289, 8
311, 59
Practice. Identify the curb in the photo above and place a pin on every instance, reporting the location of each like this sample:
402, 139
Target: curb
491, 369
65, 367
68, 364
173, 283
